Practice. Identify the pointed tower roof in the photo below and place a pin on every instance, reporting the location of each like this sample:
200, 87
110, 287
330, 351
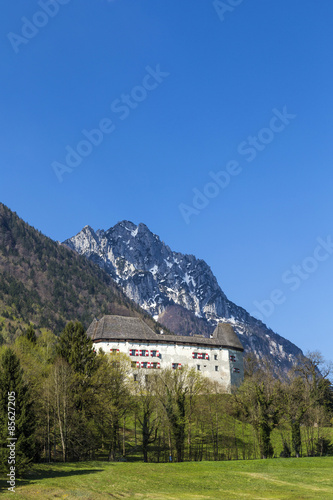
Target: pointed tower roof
225, 333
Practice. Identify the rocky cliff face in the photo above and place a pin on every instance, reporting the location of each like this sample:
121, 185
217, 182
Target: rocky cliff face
178, 290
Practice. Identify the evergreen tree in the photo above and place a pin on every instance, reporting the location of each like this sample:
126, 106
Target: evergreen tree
30, 334
12, 383
77, 349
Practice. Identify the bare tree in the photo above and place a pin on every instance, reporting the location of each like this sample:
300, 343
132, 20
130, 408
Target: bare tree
62, 387
146, 410
257, 400
176, 390
113, 397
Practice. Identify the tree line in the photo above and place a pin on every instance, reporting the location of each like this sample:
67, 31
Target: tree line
75, 404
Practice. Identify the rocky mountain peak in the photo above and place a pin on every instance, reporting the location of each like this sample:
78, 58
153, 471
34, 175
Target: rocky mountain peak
178, 290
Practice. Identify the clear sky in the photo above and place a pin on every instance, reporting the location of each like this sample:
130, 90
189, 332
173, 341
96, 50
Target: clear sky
209, 122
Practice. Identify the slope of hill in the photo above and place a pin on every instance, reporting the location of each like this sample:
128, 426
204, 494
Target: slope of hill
47, 284
180, 291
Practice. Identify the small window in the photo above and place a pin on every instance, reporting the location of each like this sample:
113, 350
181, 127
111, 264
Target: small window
215, 357
216, 368
133, 364
198, 367
135, 377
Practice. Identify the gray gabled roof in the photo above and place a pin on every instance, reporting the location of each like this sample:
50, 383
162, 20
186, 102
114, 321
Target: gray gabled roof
117, 328
120, 327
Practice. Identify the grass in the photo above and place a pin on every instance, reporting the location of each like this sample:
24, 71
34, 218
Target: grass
282, 479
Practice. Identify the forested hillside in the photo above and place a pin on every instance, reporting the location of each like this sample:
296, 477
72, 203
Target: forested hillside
47, 284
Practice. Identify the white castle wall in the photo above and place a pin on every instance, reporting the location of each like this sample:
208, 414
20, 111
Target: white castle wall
223, 365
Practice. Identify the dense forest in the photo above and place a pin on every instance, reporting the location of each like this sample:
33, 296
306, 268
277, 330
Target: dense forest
75, 404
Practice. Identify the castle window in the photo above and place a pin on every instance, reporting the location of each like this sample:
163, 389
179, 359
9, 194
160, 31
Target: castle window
133, 364
232, 357
216, 368
135, 377
114, 351
236, 370
215, 357
200, 355
176, 366
198, 367
134, 352
155, 354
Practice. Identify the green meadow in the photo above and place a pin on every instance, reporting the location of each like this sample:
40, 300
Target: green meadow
281, 479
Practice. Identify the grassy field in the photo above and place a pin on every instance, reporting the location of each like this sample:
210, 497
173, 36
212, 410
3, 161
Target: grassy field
283, 479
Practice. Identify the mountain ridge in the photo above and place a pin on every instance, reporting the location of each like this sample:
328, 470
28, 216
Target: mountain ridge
178, 290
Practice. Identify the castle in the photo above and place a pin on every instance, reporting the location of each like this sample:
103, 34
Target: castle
219, 357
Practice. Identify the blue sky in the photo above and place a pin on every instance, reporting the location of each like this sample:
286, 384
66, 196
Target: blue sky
175, 93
